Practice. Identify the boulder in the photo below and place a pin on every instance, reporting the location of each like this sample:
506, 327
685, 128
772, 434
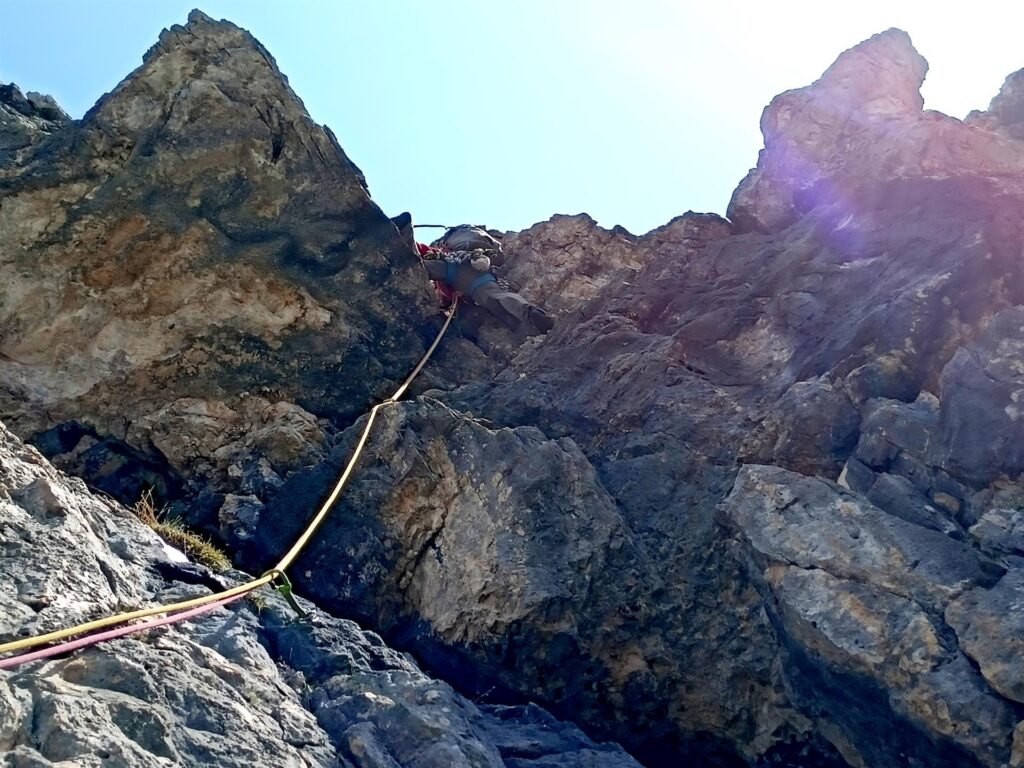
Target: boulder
814, 524
811, 429
981, 420
990, 627
1000, 531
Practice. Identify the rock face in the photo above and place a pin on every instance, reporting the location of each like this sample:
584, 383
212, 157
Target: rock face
452, 540
239, 687
214, 265
1006, 112
858, 598
758, 498
25, 120
863, 120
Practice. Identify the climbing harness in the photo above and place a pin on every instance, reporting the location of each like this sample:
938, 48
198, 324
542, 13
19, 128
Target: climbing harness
187, 609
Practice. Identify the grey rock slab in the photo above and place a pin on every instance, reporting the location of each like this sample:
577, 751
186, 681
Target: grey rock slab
1000, 531
892, 426
990, 627
381, 710
957, 705
981, 420
158, 699
814, 426
855, 625
528, 737
472, 532
898, 496
413, 720
865, 632
812, 523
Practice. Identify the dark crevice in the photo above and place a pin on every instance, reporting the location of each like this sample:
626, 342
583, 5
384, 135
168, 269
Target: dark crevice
109, 464
108, 574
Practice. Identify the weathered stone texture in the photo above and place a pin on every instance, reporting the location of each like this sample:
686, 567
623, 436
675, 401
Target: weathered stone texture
757, 499
863, 121
242, 686
197, 255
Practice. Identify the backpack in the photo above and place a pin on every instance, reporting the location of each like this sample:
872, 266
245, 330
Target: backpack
466, 237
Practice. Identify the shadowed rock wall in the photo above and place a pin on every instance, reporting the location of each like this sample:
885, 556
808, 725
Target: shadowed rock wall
755, 500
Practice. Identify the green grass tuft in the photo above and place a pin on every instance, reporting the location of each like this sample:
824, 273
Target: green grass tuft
175, 533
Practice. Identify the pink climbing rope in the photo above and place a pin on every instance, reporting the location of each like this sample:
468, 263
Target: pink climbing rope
112, 634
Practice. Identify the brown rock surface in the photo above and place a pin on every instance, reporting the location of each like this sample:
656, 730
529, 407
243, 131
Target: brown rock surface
568, 260
863, 120
193, 250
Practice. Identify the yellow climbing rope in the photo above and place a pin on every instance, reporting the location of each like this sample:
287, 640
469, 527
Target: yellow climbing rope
90, 626
297, 547
277, 572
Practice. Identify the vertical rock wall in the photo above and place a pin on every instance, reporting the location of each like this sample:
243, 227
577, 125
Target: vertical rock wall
755, 500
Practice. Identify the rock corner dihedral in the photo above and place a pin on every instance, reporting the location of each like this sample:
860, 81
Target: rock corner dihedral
756, 500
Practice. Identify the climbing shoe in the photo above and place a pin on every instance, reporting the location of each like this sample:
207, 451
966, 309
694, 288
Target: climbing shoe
539, 319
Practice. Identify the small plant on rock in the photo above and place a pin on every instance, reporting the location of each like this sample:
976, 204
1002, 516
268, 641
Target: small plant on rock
175, 533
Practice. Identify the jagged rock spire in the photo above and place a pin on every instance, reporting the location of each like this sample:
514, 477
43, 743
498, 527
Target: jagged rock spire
861, 123
205, 242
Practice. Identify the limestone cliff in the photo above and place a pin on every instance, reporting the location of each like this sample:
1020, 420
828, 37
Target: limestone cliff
758, 498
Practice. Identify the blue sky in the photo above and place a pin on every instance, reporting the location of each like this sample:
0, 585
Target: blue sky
506, 113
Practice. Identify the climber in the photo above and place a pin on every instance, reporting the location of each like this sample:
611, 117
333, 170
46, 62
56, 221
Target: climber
460, 262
